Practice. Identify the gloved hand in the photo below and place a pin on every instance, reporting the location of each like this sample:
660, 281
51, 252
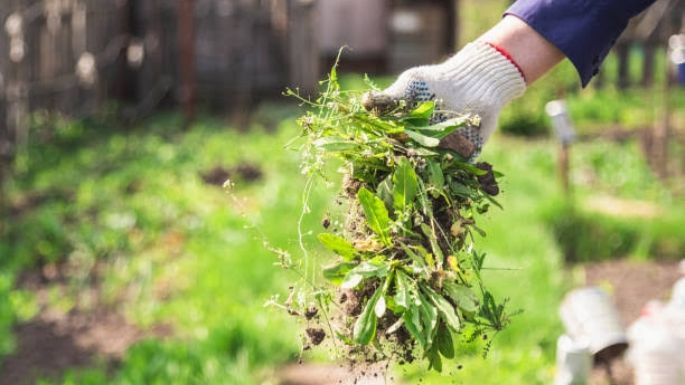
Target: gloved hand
479, 79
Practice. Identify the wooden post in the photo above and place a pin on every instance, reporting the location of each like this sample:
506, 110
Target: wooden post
242, 96
4, 132
563, 128
659, 150
452, 26
565, 167
599, 80
649, 51
186, 39
15, 105
303, 49
16, 91
623, 53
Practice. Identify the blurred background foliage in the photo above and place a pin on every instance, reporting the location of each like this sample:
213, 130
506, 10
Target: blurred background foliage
133, 219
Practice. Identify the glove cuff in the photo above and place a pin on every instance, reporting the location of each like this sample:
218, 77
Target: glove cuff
485, 73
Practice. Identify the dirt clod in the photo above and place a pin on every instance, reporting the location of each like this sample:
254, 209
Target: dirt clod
218, 175
316, 335
326, 222
311, 312
487, 181
460, 144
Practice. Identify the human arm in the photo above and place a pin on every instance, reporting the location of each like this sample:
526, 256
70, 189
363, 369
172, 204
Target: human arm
532, 38
584, 30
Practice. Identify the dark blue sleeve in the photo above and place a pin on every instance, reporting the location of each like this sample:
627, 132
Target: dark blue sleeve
584, 30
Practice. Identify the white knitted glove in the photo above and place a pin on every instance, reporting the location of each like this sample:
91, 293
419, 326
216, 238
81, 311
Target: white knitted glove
478, 79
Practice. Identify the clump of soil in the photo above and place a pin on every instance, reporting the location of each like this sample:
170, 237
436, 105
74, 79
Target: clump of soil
487, 181
316, 335
245, 172
311, 312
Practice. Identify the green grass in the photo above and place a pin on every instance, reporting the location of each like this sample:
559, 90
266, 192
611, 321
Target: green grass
171, 249
175, 250
180, 252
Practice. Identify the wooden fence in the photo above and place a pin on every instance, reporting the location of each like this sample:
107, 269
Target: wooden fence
649, 33
73, 56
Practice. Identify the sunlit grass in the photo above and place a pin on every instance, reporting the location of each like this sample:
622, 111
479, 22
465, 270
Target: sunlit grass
186, 254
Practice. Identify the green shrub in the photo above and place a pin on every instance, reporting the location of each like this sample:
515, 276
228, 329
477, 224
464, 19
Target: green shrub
525, 124
584, 236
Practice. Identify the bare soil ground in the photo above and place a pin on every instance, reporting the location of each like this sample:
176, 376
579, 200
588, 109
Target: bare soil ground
634, 283
319, 374
55, 341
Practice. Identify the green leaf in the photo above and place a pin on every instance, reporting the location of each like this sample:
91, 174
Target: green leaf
337, 273
376, 214
429, 318
384, 191
442, 129
471, 169
493, 312
351, 281
444, 341
421, 139
344, 338
335, 144
444, 307
380, 307
405, 184
435, 176
462, 190
369, 269
412, 322
420, 261
423, 110
434, 360
365, 269
464, 297
425, 205
421, 115
493, 201
402, 294
428, 232
338, 245
424, 152
365, 327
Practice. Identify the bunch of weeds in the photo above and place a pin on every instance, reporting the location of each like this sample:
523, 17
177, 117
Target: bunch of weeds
406, 280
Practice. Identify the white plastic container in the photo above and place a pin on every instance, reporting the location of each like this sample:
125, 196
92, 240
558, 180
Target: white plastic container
656, 349
574, 362
591, 318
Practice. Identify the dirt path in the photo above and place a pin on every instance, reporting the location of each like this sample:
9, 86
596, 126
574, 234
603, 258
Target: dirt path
319, 374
